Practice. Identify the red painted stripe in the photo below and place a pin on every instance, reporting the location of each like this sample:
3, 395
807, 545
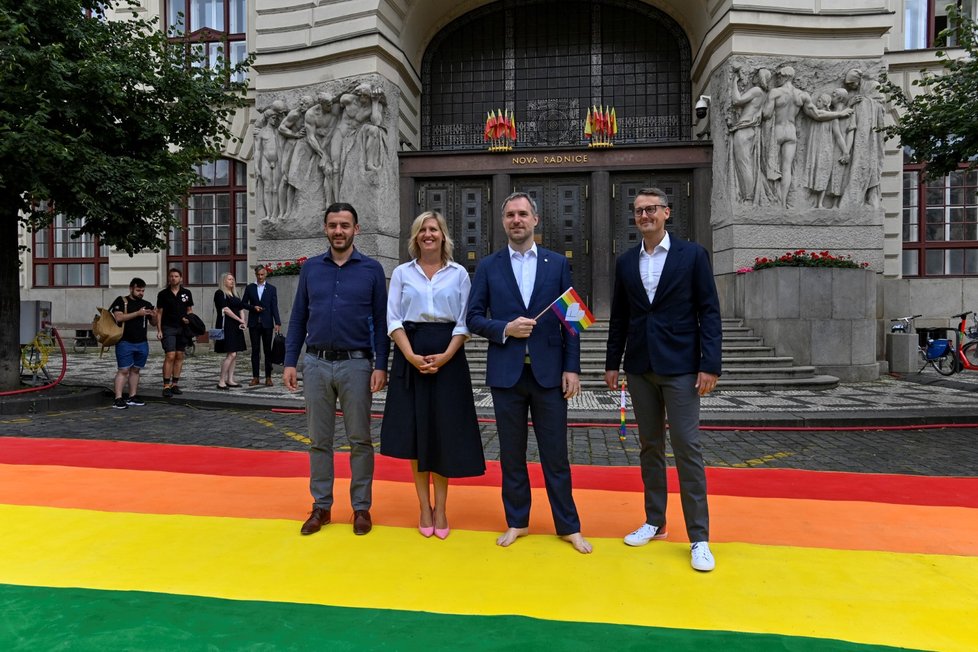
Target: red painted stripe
760, 483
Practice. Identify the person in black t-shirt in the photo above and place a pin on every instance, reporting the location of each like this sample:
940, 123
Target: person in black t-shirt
132, 351
173, 304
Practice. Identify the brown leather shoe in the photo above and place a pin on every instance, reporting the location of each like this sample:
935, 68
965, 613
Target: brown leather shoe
268, 382
254, 381
317, 519
361, 522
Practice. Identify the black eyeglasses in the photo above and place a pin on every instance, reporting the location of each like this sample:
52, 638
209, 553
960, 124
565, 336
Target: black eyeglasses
650, 210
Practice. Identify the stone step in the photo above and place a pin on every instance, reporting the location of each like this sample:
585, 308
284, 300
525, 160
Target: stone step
818, 382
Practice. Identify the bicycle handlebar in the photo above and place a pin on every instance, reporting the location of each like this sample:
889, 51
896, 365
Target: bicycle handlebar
906, 319
962, 315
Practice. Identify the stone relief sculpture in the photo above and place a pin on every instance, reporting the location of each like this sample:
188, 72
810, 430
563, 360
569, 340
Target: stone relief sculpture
268, 154
746, 142
834, 136
863, 187
293, 130
784, 103
320, 121
315, 150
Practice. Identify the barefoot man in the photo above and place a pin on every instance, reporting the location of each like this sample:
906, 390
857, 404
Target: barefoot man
533, 367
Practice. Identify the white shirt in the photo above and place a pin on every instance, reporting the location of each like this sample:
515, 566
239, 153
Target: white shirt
525, 271
261, 289
442, 298
650, 265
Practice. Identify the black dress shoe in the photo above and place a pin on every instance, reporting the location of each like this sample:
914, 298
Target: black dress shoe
361, 522
317, 519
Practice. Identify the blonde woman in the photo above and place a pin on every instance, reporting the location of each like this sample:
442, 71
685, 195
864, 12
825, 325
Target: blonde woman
230, 317
429, 416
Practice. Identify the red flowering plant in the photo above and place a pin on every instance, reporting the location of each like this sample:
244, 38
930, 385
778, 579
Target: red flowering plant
287, 268
802, 258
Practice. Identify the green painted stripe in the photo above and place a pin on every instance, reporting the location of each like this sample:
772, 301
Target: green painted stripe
39, 618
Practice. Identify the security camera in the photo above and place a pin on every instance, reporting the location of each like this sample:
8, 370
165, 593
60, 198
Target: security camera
702, 106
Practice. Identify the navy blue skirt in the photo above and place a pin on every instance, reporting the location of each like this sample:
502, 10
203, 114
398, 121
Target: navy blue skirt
431, 417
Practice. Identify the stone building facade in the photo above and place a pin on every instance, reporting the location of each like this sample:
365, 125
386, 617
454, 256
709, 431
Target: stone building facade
383, 103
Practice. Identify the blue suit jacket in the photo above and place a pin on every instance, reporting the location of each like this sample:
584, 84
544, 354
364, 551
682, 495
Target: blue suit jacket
680, 332
268, 317
495, 300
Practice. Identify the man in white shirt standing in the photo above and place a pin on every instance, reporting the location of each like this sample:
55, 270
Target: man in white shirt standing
261, 301
665, 322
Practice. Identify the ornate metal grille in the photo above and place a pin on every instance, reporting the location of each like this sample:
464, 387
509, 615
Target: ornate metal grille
548, 62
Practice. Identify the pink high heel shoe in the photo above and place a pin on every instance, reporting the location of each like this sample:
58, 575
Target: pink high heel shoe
426, 532
442, 533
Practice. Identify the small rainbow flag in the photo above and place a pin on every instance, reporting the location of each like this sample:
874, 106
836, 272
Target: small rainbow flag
572, 310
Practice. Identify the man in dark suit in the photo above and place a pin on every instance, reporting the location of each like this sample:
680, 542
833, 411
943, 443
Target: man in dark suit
261, 301
665, 320
533, 368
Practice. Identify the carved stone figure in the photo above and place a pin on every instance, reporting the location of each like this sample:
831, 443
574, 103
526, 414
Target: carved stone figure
293, 131
866, 167
360, 122
321, 120
745, 134
826, 164
783, 105
268, 148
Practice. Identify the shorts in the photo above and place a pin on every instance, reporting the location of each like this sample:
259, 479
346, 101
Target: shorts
174, 339
131, 354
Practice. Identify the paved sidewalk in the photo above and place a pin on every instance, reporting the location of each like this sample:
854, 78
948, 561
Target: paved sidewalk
912, 399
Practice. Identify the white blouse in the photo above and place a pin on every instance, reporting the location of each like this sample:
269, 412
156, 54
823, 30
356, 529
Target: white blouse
443, 298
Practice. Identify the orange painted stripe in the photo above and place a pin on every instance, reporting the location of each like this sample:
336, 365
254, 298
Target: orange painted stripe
772, 521
771, 483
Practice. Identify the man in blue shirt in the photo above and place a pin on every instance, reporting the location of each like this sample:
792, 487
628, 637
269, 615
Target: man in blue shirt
340, 314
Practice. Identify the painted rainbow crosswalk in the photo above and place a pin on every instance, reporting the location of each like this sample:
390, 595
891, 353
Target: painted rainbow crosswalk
113, 545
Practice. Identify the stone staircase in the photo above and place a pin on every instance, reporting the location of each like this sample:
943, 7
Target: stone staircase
747, 363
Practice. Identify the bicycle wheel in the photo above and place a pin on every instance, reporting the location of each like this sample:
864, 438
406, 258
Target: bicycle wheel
945, 365
970, 351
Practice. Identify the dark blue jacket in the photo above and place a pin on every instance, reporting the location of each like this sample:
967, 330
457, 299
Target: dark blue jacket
268, 317
495, 301
680, 332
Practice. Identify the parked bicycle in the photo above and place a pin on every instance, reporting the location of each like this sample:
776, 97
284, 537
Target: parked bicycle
967, 353
935, 352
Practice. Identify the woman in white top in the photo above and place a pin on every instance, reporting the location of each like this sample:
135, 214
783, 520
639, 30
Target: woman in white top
429, 416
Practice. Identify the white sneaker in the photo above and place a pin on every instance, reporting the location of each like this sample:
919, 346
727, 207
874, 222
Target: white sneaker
645, 534
702, 558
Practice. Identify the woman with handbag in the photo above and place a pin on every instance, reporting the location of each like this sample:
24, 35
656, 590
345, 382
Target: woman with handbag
228, 334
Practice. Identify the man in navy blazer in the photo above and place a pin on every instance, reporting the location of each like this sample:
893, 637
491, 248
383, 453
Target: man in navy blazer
261, 301
533, 367
665, 320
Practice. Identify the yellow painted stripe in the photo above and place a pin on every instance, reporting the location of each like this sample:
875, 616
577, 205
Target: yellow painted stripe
914, 600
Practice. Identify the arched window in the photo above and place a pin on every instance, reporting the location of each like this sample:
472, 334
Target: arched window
548, 62
211, 27
213, 237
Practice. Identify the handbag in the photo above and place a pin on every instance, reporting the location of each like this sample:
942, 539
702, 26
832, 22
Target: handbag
277, 352
216, 333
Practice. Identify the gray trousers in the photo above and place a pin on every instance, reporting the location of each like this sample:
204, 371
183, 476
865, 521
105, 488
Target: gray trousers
653, 397
347, 381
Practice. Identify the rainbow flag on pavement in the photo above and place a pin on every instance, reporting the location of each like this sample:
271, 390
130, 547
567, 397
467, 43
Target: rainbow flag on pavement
121, 545
572, 311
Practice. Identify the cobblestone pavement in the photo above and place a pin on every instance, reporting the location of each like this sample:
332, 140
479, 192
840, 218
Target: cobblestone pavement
945, 451
889, 400
738, 424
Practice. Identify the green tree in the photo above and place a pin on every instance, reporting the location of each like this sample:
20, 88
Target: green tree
939, 123
102, 120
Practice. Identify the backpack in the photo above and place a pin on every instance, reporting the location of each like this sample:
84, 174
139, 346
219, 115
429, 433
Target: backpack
106, 330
